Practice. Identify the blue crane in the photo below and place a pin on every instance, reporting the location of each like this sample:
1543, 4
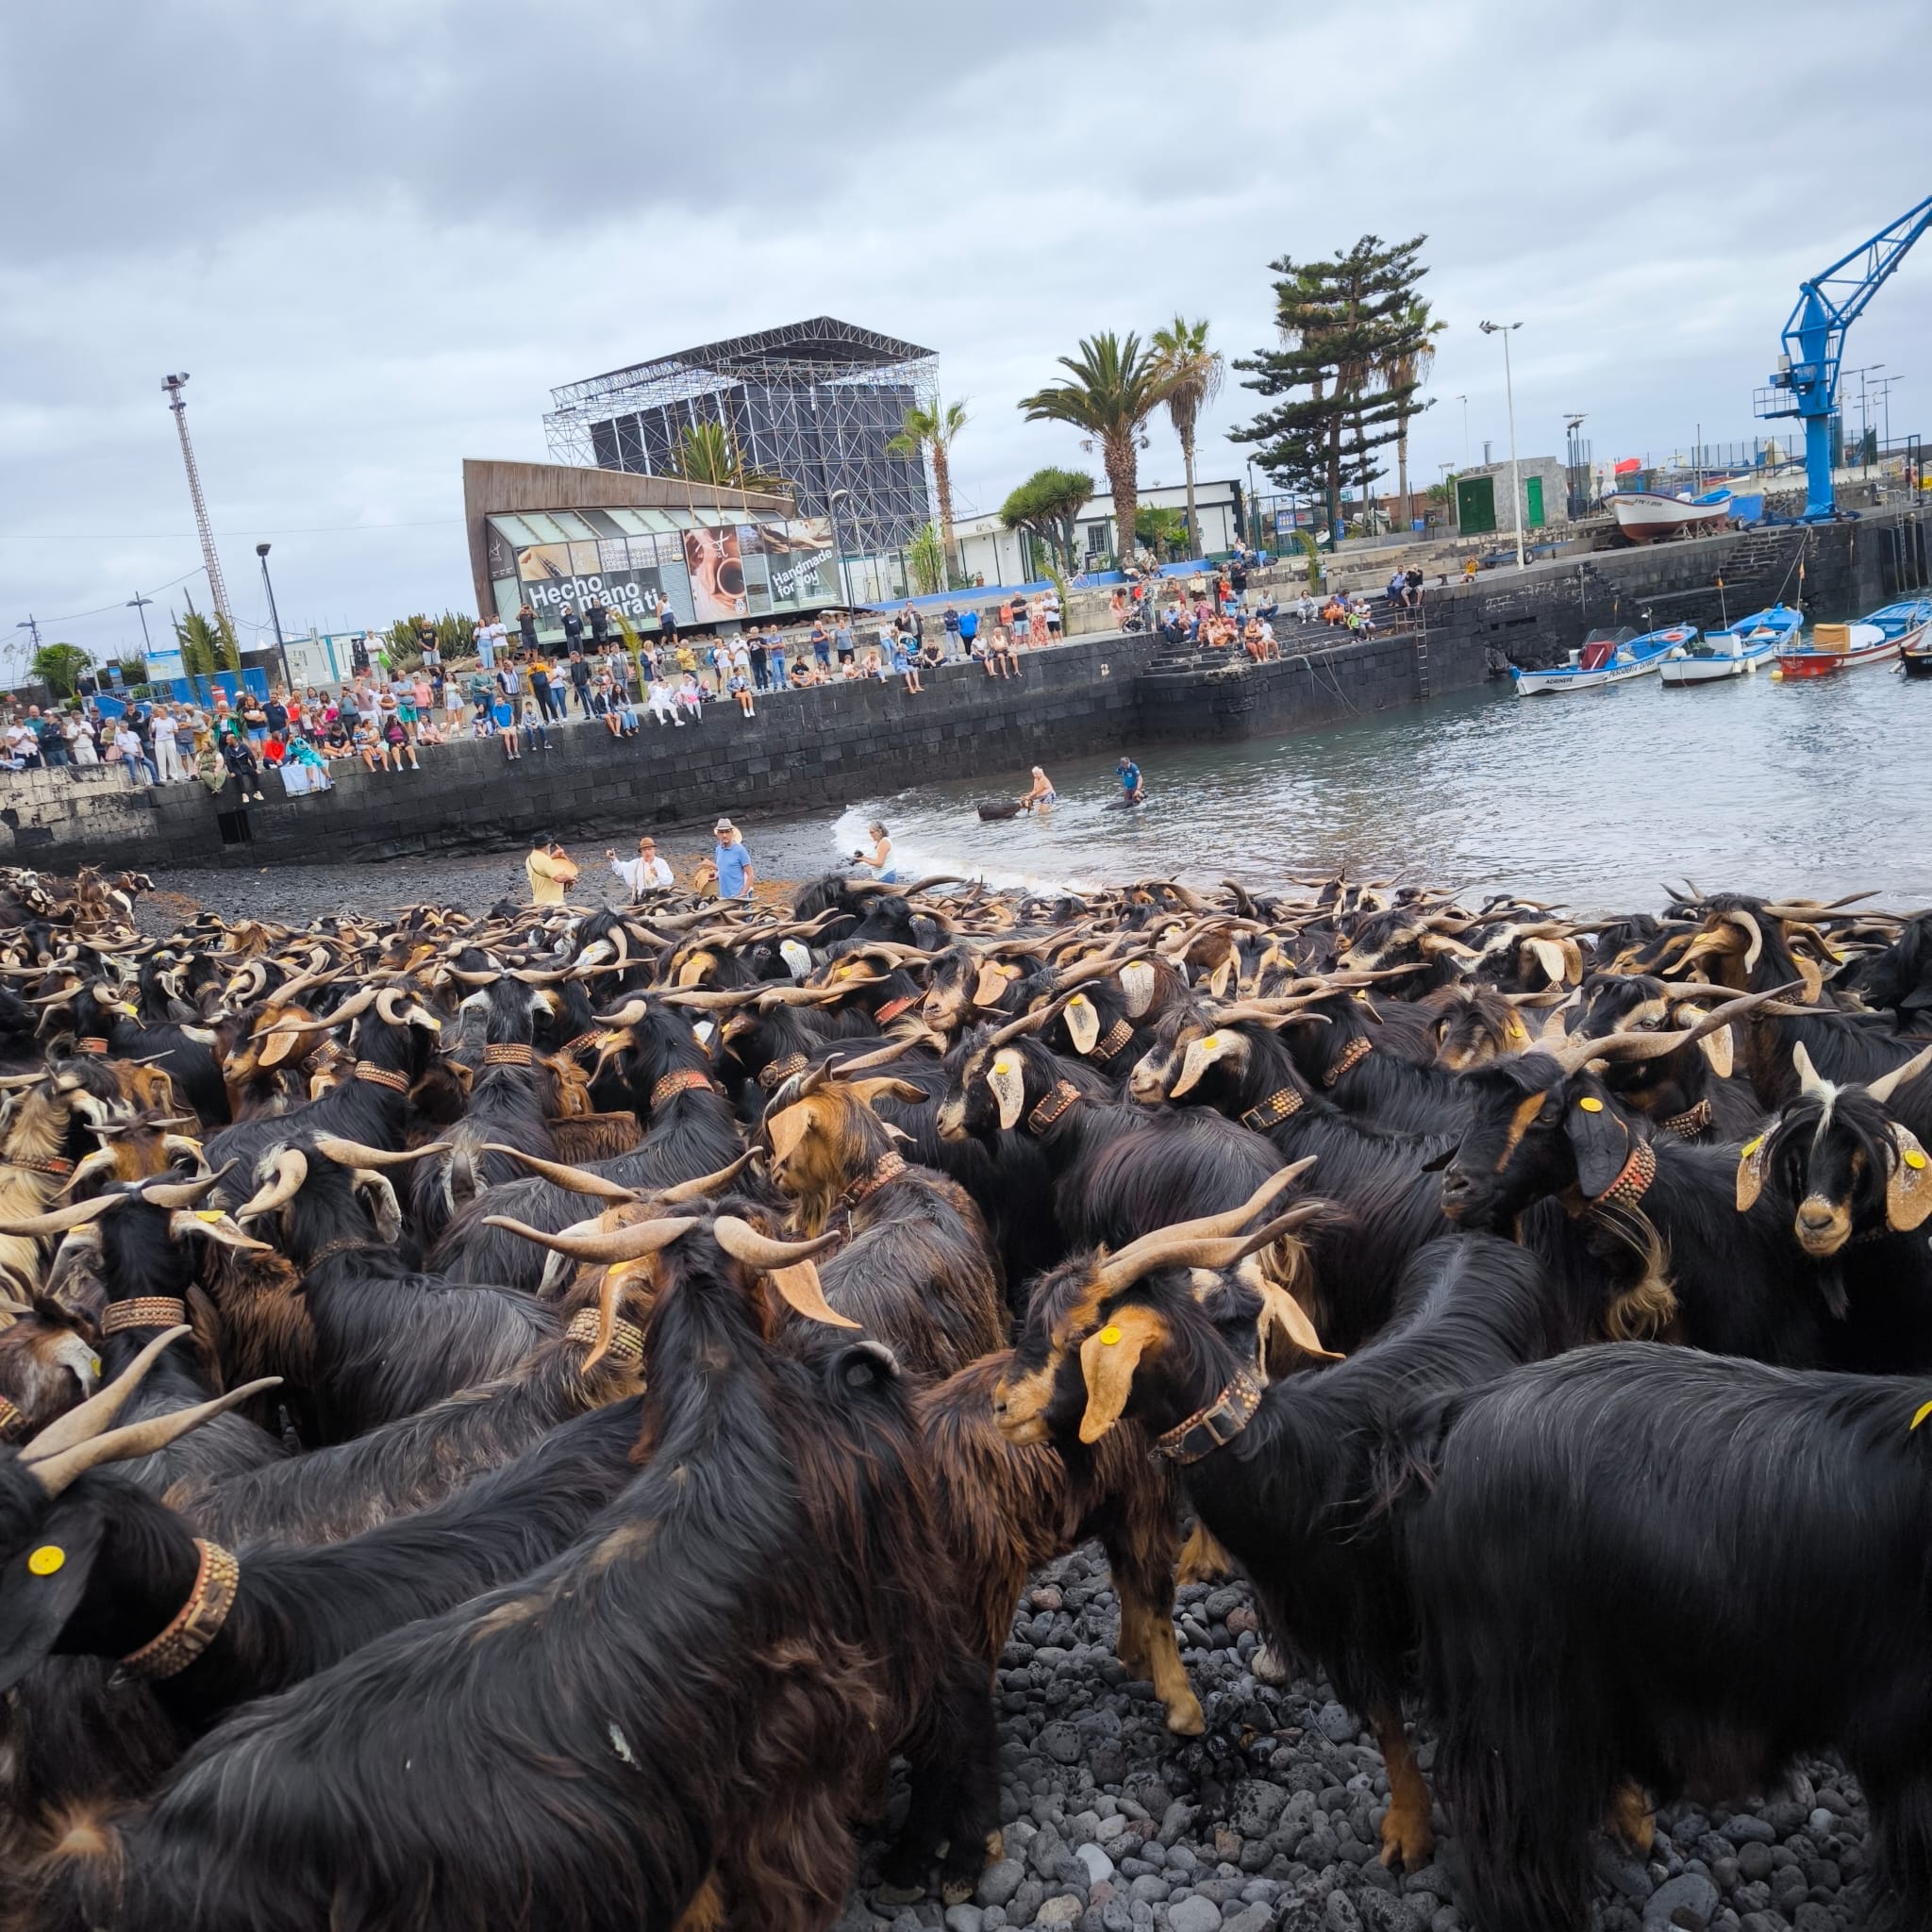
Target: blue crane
1806, 384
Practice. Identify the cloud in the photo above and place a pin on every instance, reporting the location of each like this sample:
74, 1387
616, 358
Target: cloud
377, 235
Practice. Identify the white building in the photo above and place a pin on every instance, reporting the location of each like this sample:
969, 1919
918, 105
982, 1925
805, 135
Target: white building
988, 549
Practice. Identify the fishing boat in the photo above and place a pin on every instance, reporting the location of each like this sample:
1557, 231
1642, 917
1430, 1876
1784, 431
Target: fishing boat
1736, 651
1606, 657
1877, 639
1916, 657
1644, 516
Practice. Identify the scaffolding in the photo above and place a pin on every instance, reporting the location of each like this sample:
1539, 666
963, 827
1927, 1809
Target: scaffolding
814, 402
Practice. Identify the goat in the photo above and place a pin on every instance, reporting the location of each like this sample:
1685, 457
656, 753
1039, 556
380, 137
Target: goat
1727, 1570
771, 1583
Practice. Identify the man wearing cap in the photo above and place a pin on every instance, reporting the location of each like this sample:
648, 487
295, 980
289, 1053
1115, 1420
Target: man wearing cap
733, 861
549, 870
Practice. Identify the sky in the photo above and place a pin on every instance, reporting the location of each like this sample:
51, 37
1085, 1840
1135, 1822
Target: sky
376, 233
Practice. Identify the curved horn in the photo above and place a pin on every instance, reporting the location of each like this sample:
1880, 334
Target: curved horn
1131, 1261
708, 1183
744, 1242
55, 1473
620, 1244
355, 1154
174, 1194
351, 1008
1810, 1085
575, 1178
61, 1219
1574, 1054
290, 1171
1028, 1023
1882, 1089
629, 1014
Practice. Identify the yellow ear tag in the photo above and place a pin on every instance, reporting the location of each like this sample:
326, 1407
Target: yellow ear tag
1925, 1409
1517, 1031
1913, 1158
1591, 1103
208, 1214
1005, 1064
49, 1557
1110, 1335
1211, 1040
1079, 999
1750, 1147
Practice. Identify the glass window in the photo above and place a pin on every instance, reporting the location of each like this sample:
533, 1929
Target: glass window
519, 532
573, 526
544, 529
584, 561
629, 522
613, 555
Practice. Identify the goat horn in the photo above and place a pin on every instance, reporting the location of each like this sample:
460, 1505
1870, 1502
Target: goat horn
1197, 1251
353, 1007
707, 998
1028, 1023
55, 1473
619, 1245
575, 1178
627, 1015
173, 1194
742, 1241
89, 1418
291, 1169
708, 1183
355, 1154
1574, 1054
878, 1057
1882, 1089
1209, 1227
61, 1219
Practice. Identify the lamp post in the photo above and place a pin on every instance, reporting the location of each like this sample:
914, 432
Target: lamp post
1505, 329
838, 544
1464, 401
139, 604
281, 649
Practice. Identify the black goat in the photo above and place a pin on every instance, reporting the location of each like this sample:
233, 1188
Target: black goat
771, 1583
1726, 1568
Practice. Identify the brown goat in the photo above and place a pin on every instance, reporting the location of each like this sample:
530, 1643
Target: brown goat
1005, 1509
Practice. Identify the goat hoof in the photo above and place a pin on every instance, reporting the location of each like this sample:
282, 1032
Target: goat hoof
1184, 1719
1267, 1668
957, 1891
1406, 1840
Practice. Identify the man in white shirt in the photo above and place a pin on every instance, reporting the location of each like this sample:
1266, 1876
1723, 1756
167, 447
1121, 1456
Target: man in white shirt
646, 872
131, 760
167, 753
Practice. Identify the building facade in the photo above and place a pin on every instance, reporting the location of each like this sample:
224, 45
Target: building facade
993, 553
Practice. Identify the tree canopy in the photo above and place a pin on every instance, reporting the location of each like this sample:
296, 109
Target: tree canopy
60, 667
708, 453
1048, 504
1354, 337
207, 644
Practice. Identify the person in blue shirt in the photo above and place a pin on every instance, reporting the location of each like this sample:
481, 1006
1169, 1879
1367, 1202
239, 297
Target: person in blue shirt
968, 629
735, 878
1130, 781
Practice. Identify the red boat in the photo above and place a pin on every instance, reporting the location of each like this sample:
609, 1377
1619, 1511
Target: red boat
1875, 639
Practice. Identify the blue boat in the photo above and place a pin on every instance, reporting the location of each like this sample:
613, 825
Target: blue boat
1737, 650
1606, 657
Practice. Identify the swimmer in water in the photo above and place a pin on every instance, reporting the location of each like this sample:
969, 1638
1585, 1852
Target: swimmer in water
1043, 793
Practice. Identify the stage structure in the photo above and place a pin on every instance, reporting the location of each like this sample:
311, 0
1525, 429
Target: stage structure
814, 403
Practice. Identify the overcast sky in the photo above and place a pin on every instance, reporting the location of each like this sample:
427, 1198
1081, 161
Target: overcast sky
376, 233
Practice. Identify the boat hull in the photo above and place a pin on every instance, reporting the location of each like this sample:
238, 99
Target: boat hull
1918, 663
1644, 517
1738, 650
1678, 672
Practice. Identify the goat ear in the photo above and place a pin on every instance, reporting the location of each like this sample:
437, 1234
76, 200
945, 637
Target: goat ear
1549, 955
991, 983
1006, 1076
1752, 1157
41, 1587
1908, 1192
1216, 980
1083, 1023
1108, 1357
888, 1087
276, 1048
786, 1130
1716, 1048
1221, 1045
1284, 1320
1137, 987
1599, 1142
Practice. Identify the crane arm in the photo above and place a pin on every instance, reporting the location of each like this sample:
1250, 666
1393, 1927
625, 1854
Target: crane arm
1829, 303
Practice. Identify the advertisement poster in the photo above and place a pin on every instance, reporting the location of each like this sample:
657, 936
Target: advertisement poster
803, 570
716, 566
638, 594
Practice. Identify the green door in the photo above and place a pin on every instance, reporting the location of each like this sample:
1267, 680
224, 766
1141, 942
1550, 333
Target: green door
1475, 504
1533, 501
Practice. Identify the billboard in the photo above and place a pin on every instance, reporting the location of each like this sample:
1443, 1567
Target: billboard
715, 560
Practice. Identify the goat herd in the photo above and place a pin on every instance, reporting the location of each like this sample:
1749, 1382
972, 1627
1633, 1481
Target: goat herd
521, 1420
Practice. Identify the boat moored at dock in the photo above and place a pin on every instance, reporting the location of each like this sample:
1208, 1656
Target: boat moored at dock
1606, 657
1735, 651
1876, 638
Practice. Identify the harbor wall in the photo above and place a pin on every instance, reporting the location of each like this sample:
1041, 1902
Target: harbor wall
822, 749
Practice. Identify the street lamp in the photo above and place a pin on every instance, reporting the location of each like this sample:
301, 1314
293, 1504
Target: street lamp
838, 544
139, 604
281, 649
1505, 329
1464, 401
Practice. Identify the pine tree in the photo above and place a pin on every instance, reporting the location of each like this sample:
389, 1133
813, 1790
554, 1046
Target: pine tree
1346, 324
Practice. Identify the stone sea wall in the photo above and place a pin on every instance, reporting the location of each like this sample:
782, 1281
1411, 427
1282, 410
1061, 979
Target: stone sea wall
821, 749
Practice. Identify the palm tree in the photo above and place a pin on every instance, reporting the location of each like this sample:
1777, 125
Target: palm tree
60, 667
1196, 370
707, 453
1407, 367
207, 644
1116, 386
933, 428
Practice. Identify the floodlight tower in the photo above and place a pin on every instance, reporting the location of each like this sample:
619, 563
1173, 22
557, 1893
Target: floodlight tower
174, 385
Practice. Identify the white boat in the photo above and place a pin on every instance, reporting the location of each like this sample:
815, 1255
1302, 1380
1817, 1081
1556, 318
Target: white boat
1606, 657
1736, 651
1645, 515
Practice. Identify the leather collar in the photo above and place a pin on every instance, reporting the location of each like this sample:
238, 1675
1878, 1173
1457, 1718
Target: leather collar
1118, 1036
1210, 1428
1689, 1124
344, 1246
1063, 1095
145, 1311
52, 1165
1632, 1179
1351, 1057
887, 1168
198, 1622
684, 1081
508, 1052
627, 1338
1281, 1104
892, 1008
12, 1423
381, 1077
778, 1072
94, 1044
